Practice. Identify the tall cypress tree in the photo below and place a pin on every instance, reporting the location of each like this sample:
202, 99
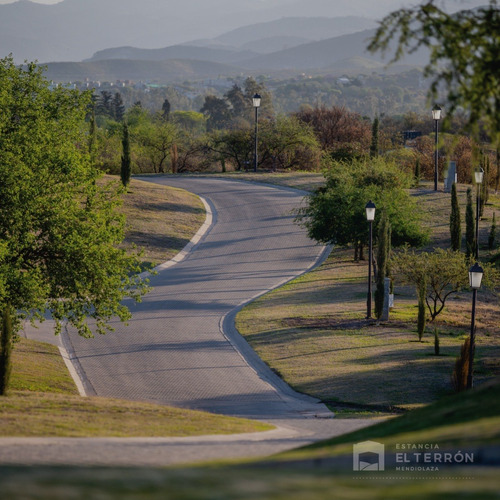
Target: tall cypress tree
484, 188
455, 229
374, 143
422, 318
469, 226
382, 250
165, 110
493, 233
417, 172
118, 107
126, 168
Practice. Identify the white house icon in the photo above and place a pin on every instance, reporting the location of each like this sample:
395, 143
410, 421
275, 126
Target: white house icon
368, 456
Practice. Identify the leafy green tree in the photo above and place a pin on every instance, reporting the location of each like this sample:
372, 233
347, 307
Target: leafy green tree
59, 228
441, 273
336, 213
455, 223
470, 225
287, 143
240, 104
234, 145
217, 112
374, 143
465, 67
252, 87
153, 139
105, 104
126, 167
192, 122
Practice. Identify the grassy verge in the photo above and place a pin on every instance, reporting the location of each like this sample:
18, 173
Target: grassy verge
161, 220
43, 402
319, 472
312, 332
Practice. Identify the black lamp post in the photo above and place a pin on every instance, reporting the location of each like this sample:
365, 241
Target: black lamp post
475, 277
256, 104
436, 115
478, 174
370, 216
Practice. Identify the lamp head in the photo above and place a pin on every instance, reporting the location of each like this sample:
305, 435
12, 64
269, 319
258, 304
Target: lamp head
370, 211
256, 100
479, 175
436, 112
475, 276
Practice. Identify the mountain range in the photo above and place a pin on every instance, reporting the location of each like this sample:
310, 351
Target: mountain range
233, 35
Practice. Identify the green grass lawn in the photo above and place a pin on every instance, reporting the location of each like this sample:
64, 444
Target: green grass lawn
318, 472
43, 401
161, 220
312, 331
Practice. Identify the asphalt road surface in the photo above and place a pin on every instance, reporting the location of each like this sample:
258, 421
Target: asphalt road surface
181, 347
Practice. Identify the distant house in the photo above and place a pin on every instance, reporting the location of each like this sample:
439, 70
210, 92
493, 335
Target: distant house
411, 135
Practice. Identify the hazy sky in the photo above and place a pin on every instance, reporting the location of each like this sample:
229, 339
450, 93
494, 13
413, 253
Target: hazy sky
35, 1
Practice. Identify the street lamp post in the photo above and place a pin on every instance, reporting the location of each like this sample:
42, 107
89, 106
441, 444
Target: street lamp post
256, 104
479, 174
475, 277
370, 216
436, 115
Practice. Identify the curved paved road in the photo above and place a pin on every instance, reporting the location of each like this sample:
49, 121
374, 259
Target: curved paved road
181, 347
177, 348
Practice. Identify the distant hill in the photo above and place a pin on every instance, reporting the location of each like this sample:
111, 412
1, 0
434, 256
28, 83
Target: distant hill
125, 69
342, 54
76, 29
187, 52
307, 28
326, 53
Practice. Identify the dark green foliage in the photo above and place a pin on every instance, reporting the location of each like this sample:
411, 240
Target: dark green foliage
118, 107
126, 167
469, 226
461, 370
436, 341
422, 317
374, 143
493, 233
60, 231
105, 104
336, 213
417, 174
484, 188
455, 223
5, 350
467, 71
165, 109
217, 112
240, 104
382, 257
92, 134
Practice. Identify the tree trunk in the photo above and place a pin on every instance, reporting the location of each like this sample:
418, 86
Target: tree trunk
5, 350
